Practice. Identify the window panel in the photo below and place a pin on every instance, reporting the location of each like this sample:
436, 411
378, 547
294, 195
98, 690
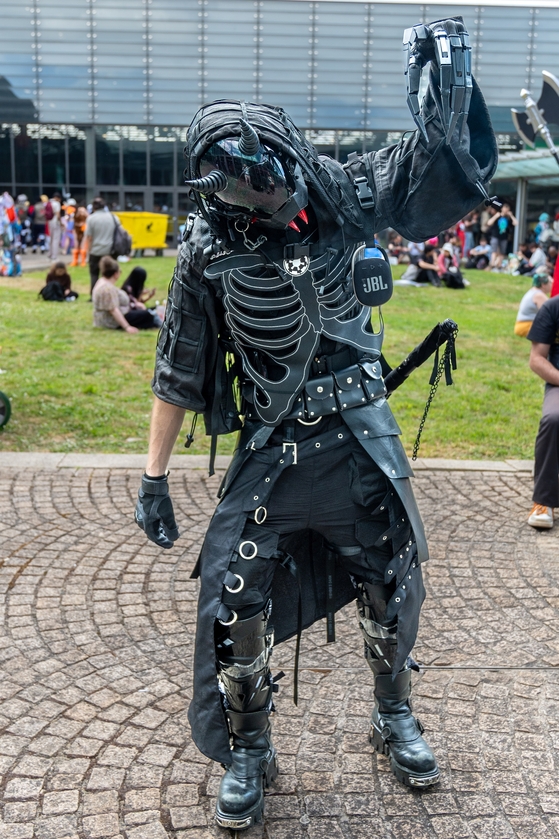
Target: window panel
386, 106
26, 156
54, 161
16, 58
161, 162
107, 158
5, 157
65, 61
76, 153
121, 62
503, 54
230, 50
284, 59
134, 162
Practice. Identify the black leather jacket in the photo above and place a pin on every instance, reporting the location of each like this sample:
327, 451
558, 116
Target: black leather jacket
415, 187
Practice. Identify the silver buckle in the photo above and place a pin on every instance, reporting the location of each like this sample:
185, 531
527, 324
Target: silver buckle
312, 422
285, 445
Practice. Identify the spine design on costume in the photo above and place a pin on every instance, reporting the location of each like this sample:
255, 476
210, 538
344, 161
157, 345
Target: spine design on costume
276, 319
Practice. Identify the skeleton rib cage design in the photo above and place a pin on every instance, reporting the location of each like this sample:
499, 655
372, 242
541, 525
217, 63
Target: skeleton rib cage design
276, 317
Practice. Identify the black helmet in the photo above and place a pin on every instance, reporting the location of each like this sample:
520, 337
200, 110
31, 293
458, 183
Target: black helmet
250, 161
244, 176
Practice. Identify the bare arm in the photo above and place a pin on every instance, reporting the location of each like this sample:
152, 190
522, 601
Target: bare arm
166, 423
539, 299
540, 365
122, 322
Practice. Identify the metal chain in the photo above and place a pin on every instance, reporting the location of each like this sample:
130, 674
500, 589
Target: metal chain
443, 360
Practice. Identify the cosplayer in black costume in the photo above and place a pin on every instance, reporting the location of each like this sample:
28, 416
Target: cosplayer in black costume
316, 509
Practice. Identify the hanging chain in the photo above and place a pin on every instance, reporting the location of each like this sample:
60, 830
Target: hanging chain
445, 362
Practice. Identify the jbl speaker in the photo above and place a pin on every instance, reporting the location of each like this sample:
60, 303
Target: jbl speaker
372, 276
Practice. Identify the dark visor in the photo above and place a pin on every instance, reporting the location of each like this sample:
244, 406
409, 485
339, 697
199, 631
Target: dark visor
258, 183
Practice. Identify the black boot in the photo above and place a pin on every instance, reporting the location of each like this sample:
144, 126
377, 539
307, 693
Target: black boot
397, 734
394, 731
243, 651
240, 800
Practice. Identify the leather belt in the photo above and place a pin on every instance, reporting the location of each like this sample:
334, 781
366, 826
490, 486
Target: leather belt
337, 391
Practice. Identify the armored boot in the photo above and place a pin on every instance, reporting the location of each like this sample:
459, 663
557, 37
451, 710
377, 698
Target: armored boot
243, 650
394, 730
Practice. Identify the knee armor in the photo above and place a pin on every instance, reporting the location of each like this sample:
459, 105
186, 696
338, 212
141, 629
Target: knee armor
379, 635
243, 652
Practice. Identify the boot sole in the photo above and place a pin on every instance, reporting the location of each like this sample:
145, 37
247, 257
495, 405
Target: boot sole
416, 780
245, 820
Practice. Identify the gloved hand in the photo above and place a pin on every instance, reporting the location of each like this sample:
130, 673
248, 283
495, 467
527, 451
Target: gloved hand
447, 45
154, 512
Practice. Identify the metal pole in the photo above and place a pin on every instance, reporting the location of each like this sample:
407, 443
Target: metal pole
520, 212
90, 164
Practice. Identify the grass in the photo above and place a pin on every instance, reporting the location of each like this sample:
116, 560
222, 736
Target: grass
75, 388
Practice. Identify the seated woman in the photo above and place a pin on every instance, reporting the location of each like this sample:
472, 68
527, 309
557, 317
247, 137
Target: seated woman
422, 267
478, 257
531, 302
59, 274
449, 267
138, 297
111, 308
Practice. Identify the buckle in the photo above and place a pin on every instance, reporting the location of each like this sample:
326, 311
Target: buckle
364, 193
285, 445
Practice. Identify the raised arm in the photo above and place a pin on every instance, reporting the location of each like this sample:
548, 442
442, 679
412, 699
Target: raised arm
437, 174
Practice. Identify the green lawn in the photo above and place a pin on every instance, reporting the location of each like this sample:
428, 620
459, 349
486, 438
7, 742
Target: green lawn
75, 388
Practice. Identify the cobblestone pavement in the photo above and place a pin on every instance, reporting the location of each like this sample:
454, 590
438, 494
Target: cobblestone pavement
96, 646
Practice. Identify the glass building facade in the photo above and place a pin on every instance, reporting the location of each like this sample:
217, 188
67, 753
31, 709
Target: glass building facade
95, 97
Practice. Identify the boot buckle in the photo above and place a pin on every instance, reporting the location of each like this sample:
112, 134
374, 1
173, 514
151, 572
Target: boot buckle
234, 824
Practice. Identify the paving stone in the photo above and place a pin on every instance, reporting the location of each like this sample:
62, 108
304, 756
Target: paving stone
100, 826
55, 803
96, 662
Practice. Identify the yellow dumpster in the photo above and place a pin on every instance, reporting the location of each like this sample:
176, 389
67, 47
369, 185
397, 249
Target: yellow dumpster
148, 230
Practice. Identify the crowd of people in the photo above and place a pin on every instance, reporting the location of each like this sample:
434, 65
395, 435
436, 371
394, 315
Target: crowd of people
482, 240
53, 226
61, 227
113, 308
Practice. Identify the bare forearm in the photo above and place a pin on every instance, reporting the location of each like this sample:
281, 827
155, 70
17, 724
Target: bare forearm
166, 423
120, 319
544, 369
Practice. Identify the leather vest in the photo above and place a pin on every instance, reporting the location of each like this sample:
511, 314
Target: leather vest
276, 313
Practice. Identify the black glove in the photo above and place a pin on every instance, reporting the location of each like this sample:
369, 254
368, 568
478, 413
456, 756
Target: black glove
154, 512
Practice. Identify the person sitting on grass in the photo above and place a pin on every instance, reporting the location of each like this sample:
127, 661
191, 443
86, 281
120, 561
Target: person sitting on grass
138, 297
532, 301
134, 285
59, 284
478, 256
448, 266
111, 307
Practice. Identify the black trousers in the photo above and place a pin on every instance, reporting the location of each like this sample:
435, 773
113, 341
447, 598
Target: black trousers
140, 318
546, 471
341, 495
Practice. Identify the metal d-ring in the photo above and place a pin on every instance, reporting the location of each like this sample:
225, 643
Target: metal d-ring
228, 623
239, 588
260, 515
248, 542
